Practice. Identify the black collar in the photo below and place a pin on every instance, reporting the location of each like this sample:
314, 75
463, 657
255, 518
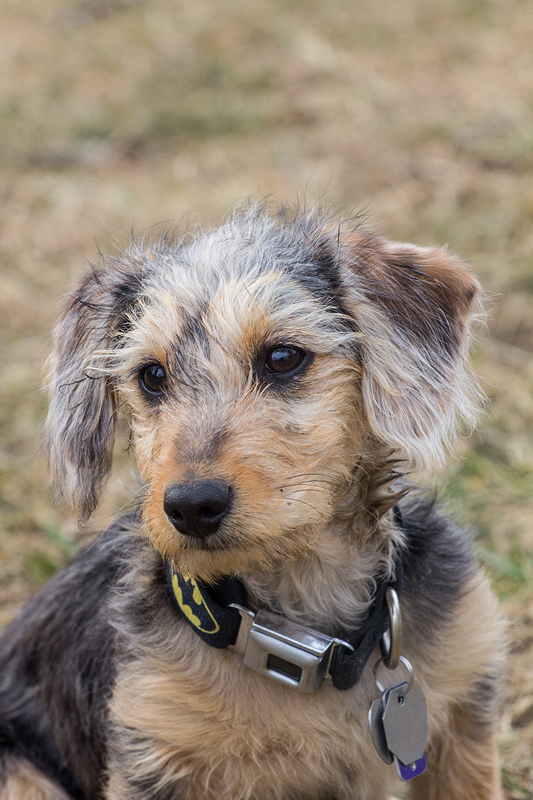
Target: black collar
216, 614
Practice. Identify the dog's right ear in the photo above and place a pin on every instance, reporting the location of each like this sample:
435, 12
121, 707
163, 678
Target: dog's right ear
412, 308
80, 429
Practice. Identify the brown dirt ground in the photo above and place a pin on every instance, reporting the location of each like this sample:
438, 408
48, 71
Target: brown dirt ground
122, 114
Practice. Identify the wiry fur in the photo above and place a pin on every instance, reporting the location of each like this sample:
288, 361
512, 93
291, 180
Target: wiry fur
311, 459
402, 308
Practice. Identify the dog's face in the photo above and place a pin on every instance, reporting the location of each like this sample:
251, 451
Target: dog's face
244, 390
263, 365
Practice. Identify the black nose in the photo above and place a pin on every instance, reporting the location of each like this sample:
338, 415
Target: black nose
197, 509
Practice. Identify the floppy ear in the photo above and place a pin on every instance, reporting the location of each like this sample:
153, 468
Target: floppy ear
412, 306
80, 428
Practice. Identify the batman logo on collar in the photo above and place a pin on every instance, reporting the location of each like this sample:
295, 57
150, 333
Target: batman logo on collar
193, 603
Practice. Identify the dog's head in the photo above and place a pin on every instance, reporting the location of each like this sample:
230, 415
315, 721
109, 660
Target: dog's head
264, 364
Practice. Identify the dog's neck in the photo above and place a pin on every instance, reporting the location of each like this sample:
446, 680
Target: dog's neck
331, 588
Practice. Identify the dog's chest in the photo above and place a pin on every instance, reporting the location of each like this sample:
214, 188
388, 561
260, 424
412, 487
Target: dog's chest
223, 731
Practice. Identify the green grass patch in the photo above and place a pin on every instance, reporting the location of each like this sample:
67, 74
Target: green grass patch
40, 566
66, 545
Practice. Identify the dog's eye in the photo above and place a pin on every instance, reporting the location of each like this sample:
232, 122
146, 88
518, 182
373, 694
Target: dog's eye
153, 378
282, 360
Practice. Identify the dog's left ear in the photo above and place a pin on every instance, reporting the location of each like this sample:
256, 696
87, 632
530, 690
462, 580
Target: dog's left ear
80, 428
413, 307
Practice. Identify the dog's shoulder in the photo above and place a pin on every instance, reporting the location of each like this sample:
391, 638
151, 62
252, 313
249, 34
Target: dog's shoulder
58, 659
73, 605
439, 563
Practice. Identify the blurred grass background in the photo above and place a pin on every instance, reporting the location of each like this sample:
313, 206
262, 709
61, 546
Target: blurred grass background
122, 114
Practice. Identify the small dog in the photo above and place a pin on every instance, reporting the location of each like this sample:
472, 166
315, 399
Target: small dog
276, 372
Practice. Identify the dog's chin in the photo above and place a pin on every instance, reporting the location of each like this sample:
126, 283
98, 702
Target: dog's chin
209, 562
235, 549
211, 558
207, 558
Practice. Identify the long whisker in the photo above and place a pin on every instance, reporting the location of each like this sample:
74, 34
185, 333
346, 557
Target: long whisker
323, 475
297, 500
303, 488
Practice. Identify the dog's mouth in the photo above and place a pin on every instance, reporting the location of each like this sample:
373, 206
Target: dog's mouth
212, 543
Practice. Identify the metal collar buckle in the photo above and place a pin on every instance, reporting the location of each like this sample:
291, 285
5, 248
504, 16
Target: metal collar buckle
284, 651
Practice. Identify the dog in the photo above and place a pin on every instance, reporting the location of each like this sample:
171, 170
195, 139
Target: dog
280, 374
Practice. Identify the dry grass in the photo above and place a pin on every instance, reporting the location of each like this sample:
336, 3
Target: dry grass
121, 113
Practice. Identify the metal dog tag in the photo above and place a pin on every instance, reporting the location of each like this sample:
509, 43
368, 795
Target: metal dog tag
398, 719
375, 721
405, 727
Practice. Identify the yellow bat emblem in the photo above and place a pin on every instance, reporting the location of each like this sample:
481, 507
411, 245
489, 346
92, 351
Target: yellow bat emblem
198, 599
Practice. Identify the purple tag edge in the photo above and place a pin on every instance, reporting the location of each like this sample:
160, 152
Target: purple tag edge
406, 773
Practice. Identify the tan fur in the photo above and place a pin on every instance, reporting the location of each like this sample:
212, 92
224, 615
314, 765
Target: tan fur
23, 781
235, 736
462, 764
460, 769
